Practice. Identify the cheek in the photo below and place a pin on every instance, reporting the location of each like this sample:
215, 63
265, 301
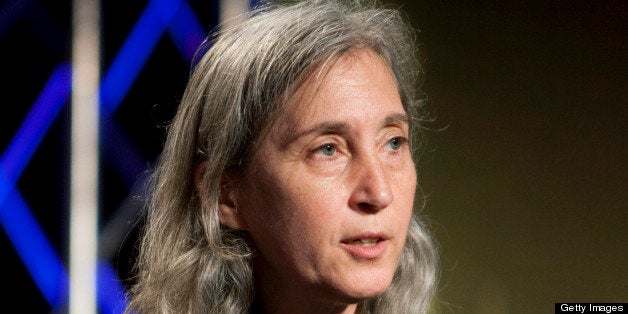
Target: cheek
292, 209
408, 188
405, 180
405, 188
308, 209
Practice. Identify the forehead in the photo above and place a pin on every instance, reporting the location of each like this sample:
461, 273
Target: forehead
356, 86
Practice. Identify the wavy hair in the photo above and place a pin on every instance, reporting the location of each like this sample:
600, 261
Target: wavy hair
188, 262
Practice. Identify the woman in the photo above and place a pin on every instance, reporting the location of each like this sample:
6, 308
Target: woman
287, 184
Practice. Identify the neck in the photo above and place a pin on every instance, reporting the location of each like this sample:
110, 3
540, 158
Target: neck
276, 305
274, 295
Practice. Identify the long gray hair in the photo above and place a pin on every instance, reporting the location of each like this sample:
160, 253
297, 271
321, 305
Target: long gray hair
190, 263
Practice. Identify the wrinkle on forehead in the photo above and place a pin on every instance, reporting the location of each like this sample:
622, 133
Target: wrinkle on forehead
302, 98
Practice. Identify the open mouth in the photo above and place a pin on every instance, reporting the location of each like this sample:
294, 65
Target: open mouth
366, 242
366, 247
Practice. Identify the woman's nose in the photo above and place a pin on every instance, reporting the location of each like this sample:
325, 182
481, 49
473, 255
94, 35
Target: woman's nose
372, 191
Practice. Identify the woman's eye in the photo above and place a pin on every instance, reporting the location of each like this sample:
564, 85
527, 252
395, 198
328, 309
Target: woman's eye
396, 142
327, 150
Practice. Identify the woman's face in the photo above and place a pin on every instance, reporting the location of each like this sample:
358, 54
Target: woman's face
329, 199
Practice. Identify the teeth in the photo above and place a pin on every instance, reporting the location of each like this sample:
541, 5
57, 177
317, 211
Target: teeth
365, 242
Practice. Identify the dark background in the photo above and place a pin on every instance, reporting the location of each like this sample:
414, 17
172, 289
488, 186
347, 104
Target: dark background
524, 167
527, 185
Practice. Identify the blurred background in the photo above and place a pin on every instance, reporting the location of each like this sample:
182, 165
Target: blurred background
524, 167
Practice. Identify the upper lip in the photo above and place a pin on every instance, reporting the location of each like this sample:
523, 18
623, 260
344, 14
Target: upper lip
366, 235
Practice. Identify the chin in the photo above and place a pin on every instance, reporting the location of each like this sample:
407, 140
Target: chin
366, 287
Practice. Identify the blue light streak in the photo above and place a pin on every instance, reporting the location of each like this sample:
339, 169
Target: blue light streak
53, 97
135, 51
15, 217
111, 293
21, 227
186, 31
33, 248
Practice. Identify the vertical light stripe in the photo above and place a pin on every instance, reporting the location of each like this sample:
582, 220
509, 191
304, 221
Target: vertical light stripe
232, 12
84, 155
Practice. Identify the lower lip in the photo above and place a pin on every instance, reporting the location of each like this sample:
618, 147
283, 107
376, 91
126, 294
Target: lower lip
366, 252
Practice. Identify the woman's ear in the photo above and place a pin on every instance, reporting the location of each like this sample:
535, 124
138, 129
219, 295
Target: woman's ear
227, 205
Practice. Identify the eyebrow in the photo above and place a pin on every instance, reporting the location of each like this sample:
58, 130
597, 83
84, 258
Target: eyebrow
397, 119
325, 127
336, 127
